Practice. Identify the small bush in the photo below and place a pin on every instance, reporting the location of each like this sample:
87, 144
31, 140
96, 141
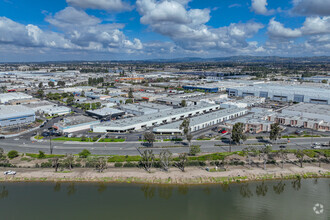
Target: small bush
194, 149
84, 153
118, 164
46, 165
12, 154
41, 155
129, 164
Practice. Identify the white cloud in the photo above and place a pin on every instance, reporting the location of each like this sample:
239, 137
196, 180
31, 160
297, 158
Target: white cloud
312, 7
188, 29
277, 30
260, 7
88, 31
30, 36
316, 25
107, 5
311, 26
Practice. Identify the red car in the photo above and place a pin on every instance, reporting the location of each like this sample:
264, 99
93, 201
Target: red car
224, 132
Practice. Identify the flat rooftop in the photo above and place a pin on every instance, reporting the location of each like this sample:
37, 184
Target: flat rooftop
310, 108
106, 111
197, 120
12, 111
156, 116
75, 120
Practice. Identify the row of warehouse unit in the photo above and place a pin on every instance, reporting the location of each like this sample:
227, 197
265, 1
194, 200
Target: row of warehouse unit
155, 119
286, 93
202, 121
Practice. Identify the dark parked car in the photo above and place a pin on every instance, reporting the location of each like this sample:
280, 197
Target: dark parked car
45, 134
282, 146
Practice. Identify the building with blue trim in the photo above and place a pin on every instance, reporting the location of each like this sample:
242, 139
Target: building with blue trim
12, 115
204, 88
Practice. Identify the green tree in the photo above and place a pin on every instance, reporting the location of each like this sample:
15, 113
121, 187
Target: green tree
51, 84
300, 156
181, 164
56, 163
238, 133
183, 103
165, 159
12, 154
40, 93
275, 132
150, 138
101, 164
41, 155
128, 101
185, 127
84, 153
61, 83
40, 85
194, 149
265, 151
130, 93
70, 100
147, 159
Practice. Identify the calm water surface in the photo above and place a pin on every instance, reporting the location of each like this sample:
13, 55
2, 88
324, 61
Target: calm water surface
258, 200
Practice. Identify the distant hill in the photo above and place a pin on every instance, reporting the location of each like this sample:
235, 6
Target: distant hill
247, 59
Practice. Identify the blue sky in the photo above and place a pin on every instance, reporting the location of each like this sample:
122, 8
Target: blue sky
39, 30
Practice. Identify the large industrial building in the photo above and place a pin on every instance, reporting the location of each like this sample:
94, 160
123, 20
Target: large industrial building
304, 115
277, 92
144, 108
202, 121
75, 123
15, 115
156, 119
7, 97
106, 113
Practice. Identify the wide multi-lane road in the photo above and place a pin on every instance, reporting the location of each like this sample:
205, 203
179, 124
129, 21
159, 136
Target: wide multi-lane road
130, 148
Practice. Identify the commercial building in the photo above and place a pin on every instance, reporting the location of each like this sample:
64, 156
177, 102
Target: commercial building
156, 119
106, 113
7, 97
144, 108
11, 115
202, 121
304, 115
247, 101
205, 88
278, 92
75, 123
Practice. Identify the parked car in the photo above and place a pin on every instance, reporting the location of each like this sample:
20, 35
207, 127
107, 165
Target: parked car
45, 134
9, 172
2, 137
299, 132
282, 146
316, 145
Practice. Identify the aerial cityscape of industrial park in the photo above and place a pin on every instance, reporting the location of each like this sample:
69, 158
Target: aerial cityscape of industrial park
164, 109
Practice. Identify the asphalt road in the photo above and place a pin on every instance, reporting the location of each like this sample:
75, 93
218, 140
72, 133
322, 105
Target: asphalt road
130, 148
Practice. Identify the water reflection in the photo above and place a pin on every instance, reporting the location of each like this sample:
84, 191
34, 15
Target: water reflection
165, 192
207, 191
225, 187
3, 193
279, 187
148, 191
245, 191
183, 189
261, 189
57, 187
101, 187
71, 189
296, 184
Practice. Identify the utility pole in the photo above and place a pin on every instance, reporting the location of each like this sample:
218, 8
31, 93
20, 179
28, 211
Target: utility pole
50, 144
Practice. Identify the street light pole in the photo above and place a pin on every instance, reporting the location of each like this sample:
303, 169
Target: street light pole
50, 144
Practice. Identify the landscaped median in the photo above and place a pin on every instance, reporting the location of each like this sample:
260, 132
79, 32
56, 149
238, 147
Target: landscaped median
84, 139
